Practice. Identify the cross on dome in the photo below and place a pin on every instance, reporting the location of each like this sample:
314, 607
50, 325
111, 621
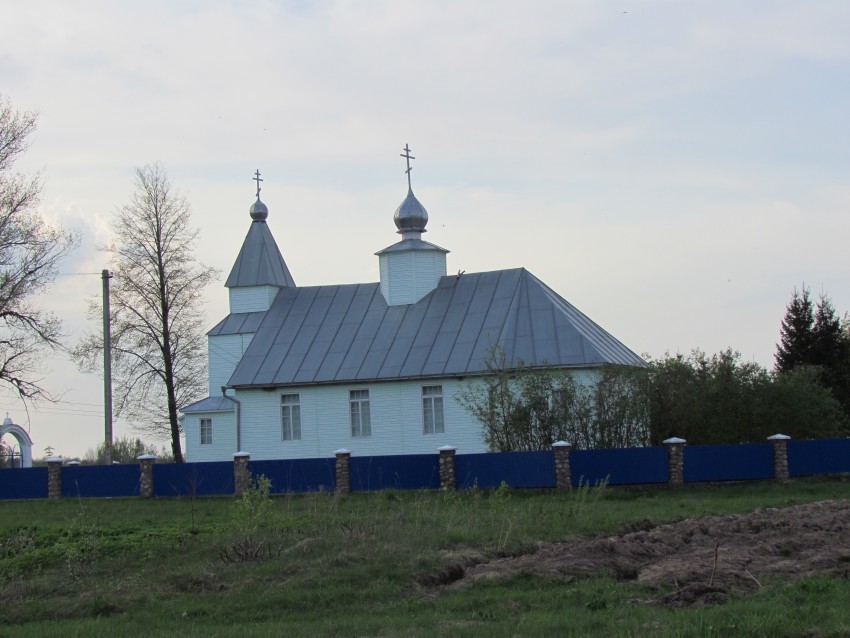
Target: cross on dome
258, 179
408, 157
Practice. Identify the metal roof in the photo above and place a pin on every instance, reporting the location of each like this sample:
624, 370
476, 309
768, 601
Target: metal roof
348, 333
210, 404
259, 262
238, 323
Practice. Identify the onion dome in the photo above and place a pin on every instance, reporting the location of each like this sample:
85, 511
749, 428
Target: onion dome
411, 216
259, 211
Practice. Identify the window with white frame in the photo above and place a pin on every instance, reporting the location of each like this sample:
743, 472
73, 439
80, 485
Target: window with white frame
432, 409
290, 417
361, 420
206, 431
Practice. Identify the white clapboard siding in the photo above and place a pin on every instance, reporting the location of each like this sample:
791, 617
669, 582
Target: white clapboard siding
406, 277
223, 445
396, 415
224, 353
252, 298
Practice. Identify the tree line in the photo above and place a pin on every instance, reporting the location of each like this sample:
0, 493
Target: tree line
704, 399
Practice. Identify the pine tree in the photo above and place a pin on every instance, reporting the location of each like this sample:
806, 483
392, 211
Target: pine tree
796, 341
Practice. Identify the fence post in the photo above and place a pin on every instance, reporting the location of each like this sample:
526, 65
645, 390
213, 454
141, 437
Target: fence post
780, 456
241, 475
563, 478
448, 478
54, 476
343, 471
676, 459
146, 462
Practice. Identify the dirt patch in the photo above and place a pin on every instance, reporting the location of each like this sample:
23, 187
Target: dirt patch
702, 559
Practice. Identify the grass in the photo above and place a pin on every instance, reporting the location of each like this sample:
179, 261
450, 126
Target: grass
367, 564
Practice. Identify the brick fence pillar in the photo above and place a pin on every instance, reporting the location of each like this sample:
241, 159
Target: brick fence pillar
676, 459
146, 462
448, 478
780, 456
343, 471
54, 476
241, 474
563, 478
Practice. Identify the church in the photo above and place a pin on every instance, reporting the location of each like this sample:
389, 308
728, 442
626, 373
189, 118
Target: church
299, 372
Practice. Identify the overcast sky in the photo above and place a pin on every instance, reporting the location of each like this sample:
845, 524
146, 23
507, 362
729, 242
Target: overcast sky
673, 169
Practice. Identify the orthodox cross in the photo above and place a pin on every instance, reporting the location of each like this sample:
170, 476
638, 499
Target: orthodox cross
409, 157
258, 180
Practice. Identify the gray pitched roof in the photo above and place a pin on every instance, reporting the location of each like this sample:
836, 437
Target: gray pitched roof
347, 333
259, 262
210, 404
238, 323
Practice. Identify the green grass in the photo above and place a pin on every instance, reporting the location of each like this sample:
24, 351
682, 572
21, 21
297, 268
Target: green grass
356, 566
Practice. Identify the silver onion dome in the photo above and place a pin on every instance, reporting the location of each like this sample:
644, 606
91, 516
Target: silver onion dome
259, 211
411, 216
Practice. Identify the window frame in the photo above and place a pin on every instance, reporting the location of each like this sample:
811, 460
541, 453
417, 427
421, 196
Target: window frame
359, 406
293, 410
433, 405
205, 430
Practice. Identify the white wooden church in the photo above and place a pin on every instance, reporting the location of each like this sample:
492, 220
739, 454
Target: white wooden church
299, 372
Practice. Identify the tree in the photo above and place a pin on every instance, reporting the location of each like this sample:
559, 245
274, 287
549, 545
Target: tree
795, 335
125, 450
158, 345
30, 253
531, 408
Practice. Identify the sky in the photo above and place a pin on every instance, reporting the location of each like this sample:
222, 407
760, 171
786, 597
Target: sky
673, 169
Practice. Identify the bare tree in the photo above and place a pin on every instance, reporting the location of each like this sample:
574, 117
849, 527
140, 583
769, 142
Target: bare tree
158, 345
30, 253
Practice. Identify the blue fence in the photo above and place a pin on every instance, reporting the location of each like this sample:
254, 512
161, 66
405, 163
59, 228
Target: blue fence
416, 471
632, 466
807, 458
100, 480
517, 469
298, 475
728, 462
193, 479
706, 463
27, 482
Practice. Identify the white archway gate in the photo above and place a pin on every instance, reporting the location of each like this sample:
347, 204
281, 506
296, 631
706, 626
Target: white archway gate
22, 437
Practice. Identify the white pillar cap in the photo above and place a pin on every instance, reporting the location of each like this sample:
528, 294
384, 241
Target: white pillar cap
241, 454
146, 457
55, 459
447, 448
778, 437
562, 444
342, 450
674, 440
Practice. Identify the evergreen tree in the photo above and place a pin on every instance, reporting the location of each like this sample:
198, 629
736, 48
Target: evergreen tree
796, 338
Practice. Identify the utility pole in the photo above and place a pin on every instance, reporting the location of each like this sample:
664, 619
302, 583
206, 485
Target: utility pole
107, 372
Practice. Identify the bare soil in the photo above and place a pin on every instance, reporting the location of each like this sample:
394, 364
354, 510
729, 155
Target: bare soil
701, 560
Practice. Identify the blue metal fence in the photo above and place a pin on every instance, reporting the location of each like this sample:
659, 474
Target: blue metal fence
620, 467
26, 482
807, 458
751, 461
100, 480
488, 470
193, 479
297, 475
415, 471
517, 469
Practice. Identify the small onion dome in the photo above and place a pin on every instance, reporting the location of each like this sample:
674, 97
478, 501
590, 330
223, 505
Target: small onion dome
410, 216
259, 211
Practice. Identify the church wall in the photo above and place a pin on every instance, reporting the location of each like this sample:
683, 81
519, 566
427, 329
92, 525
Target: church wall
223, 445
252, 298
224, 353
396, 422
